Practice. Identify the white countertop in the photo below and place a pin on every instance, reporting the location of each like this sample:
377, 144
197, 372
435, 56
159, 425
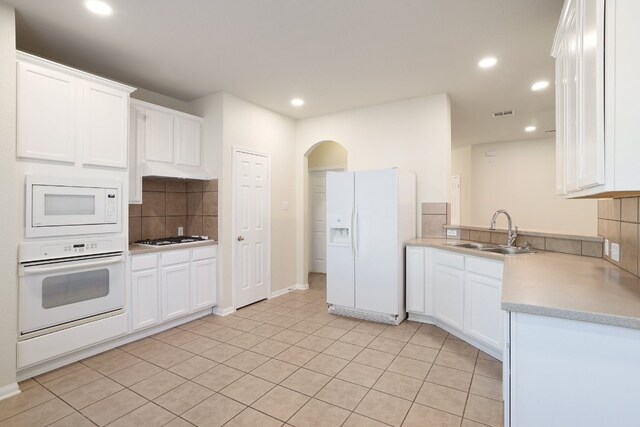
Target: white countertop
561, 285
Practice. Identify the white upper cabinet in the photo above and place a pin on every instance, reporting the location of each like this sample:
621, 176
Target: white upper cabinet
104, 126
169, 136
46, 113
158, 135
597, 93
66, 115
187, 140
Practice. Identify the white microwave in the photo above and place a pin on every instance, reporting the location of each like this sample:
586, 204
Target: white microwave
66, 206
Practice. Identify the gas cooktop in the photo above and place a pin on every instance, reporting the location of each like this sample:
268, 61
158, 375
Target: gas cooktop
171, 240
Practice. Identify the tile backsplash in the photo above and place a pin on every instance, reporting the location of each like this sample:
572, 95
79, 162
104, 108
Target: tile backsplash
434, 217
171, 203
619, 222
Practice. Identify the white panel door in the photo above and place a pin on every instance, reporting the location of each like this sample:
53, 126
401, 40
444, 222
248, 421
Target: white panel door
104, 126
203, 284
376, 241
340, 256
482, 313
252, 217
158, 136
187, 140
175, 291
448, 294
318, 222
46, 114
415, 279
145, 305
561, 85
571, 97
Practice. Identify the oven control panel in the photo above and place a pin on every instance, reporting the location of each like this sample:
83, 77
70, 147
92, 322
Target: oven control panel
70, 248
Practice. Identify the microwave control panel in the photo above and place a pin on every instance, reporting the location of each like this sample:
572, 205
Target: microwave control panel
111, 207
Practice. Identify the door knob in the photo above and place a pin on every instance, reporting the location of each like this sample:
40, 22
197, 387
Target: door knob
240, 238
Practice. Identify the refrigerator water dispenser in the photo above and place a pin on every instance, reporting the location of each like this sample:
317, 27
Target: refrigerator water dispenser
339, 236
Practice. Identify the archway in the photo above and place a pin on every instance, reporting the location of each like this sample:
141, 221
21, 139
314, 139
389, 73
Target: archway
319, 159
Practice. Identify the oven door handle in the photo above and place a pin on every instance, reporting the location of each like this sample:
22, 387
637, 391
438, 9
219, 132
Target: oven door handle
66, 266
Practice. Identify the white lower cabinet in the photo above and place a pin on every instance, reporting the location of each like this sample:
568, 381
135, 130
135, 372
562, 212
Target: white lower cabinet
169, 285
562, 372
460, 293
144, 299
448, 295
175, 291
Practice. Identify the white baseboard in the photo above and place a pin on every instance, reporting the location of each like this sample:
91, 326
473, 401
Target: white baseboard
301, 286
280, 292
219, 311
9, 390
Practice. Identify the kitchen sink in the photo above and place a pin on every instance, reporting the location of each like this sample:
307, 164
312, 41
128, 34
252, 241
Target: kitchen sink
480, 246
510, 250
487, 247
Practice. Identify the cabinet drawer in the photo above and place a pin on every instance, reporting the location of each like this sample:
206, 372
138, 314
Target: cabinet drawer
144, 262
485, 267
204, 253
450, 259
175, 257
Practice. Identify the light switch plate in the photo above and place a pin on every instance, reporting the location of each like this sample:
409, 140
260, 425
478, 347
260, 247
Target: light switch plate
606, 247
180, 231
615, 252
285, 205
452, 233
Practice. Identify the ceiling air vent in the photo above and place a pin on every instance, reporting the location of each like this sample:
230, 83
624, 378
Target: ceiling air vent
505, 113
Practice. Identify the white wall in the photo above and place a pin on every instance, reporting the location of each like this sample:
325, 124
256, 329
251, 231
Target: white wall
8, 212
248, 126
413, 134
461, 165
328, 155
160, 99
521, 179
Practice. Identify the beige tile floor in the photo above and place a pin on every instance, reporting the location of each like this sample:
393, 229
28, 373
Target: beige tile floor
284, 360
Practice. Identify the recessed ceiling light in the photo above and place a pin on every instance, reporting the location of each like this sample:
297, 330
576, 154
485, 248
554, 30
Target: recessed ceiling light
98, 7
487, 62
297, 102
538, 86
530, 129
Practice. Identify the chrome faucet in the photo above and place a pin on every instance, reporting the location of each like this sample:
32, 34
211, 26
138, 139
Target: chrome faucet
512, 234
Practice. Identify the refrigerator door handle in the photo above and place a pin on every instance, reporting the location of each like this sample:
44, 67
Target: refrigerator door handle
355, 232
351, 245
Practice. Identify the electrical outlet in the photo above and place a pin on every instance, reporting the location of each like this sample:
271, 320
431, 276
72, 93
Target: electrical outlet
452, 233
606, 247
615, 252
180, 231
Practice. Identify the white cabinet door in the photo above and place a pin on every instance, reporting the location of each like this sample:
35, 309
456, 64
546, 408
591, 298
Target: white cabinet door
187, 141
136, 143
415, 280
448, 295
203, 284
561, 84
591, 154
175, 291
158, 136
46, 108
571, 98
482, 314
145, 305
104, 126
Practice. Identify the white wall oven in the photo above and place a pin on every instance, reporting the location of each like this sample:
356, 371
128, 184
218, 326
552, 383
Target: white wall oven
69, 206
67, 283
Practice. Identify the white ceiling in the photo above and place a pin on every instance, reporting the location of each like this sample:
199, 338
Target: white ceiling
336, 54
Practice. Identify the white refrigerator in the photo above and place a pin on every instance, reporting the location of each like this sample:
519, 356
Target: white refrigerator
370, 214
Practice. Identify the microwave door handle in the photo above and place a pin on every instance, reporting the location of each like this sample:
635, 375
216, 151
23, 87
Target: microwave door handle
65, 266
